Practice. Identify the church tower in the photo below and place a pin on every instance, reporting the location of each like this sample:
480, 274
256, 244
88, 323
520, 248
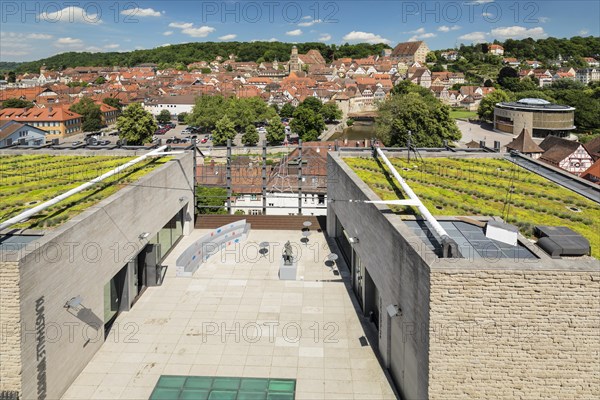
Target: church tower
294, 63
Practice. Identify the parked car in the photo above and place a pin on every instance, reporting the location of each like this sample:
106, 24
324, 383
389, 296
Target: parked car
204, 140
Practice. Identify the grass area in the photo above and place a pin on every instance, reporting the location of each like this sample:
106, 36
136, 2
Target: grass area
462, 114
29, 180
481, 187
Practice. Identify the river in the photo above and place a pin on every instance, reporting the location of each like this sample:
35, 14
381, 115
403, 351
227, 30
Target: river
359, 131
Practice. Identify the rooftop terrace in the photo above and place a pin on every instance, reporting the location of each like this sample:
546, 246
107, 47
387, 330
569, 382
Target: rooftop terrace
235, 318
29, 180
482, 186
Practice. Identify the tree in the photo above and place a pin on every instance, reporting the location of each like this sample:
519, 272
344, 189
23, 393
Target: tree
535, 94
307, 123
426, 118
12, 77
275, 131
136, 125
90, 112
505, 74
486, 106
181, 117
564, 84
210, 200
113, 102
224, 130
488, 83
16, 103
331, 112
100, 80
287, 110
164, 117
587, 108
313, 103
431, 57
250, 136
207, 111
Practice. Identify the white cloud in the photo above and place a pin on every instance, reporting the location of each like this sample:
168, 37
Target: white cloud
445, 28
112, 46
168, 33
518, 32
295, 32
71, 14
273, 40
181, 25
325, 37
141, 12
69, 42
307, 17
476, 37
93, 49
188, 28
38, 36
310, 23
480, 1
165, 45
231, 36
488, 15
414, 38
416, 32
420, 34
583, 32
543, 20
24, 36
368, 37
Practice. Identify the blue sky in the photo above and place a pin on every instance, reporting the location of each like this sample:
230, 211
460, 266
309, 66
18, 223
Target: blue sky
33, 30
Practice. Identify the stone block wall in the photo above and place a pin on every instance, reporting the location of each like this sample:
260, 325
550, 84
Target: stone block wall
514, 334
10, 328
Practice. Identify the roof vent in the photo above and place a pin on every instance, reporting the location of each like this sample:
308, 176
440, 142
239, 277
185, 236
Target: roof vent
560, 241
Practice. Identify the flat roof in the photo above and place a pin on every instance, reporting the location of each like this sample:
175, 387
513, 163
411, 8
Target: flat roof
28, 180
534, 105
482, 187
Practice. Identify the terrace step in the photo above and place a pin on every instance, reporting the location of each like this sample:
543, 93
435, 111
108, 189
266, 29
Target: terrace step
264, 222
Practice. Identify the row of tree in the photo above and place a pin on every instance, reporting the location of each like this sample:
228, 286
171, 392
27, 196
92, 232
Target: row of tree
225, 117
184, 54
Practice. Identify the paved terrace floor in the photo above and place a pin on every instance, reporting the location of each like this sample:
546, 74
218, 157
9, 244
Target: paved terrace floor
181, 327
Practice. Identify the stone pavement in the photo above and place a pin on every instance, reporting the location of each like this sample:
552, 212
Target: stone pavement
475, 132
234, 317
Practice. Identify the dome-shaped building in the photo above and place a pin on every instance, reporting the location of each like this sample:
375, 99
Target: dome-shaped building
540, 117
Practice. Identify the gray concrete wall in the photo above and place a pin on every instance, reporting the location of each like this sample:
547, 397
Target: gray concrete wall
395, 260
79, 258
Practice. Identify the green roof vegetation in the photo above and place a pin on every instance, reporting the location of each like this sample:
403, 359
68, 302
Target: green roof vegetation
29, 180
471, 187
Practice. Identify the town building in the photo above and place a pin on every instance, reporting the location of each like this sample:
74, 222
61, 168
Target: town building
410, 52
174, 104
496, 49
58, 121
16, 133
538, 116
566, 154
